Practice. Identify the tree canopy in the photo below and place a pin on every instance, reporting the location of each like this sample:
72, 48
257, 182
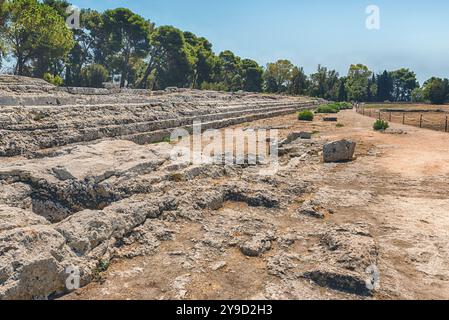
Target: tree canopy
278, 76
404, 82
357, 83
35, 35
120, 44
436, 90
128, 36
325, 83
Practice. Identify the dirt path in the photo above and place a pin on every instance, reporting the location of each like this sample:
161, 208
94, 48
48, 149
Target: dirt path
398, 185
407, 175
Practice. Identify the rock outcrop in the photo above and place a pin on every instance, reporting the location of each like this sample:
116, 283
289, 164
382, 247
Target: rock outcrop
339, 151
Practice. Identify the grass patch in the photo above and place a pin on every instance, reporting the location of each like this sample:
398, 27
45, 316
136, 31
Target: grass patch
306, 115
102, 266
381, 125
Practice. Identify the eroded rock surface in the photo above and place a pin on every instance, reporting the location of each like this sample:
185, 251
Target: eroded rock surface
339, 151
84, 192
117, 199
349, 251
82, 180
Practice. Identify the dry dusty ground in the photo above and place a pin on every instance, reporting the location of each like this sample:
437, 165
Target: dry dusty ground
397, 187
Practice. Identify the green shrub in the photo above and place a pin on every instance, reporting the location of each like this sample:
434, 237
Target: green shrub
306, 115
327, 108
56, 80
340, 125
381, 125
334, 107
48, 77
94, 76
345, 105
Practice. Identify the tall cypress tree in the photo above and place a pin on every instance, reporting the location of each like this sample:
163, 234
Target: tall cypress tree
384, 87
342, 94
369, 95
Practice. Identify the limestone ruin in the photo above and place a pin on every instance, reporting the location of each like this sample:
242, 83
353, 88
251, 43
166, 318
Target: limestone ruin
81, 170
88, 186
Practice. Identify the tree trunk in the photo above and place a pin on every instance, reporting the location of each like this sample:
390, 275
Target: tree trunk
19, 67
125, 69
143, 82
195, 79
68, 76
123, 77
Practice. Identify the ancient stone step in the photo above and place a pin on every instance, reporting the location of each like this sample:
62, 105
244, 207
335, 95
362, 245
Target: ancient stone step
45, 119
111, 123
160, 135
60, 135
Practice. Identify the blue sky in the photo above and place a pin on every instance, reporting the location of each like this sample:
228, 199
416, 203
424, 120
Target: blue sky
413, 33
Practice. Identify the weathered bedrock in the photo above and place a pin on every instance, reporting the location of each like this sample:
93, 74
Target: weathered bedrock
81, 183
